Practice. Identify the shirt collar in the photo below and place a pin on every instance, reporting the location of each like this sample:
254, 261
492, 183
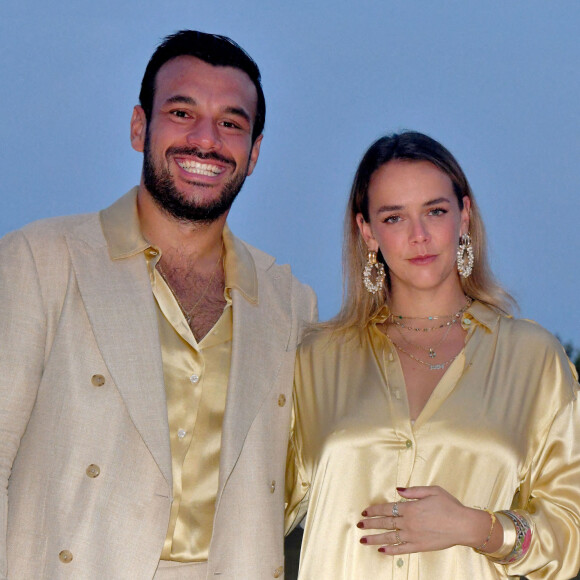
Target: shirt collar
122, 230
478, 312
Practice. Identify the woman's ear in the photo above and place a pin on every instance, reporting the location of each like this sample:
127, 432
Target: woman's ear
465, 213
366, 233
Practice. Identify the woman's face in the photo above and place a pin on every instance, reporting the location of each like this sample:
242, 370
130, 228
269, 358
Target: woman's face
415, 220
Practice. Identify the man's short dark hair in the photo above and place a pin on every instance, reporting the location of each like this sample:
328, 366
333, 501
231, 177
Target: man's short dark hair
211, 48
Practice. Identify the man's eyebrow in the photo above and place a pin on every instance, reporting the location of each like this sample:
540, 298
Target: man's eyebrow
181, 99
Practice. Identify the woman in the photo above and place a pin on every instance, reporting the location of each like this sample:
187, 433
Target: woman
451, 426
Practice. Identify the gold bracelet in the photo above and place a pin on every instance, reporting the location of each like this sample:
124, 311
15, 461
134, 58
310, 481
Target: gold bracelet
493, 519
509, 537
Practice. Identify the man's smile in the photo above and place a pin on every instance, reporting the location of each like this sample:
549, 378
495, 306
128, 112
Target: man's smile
198, 168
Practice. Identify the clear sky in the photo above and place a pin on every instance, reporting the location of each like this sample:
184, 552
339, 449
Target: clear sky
497, 82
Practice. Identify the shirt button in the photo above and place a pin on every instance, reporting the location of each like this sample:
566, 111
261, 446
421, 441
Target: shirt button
273, 487
408, 444
278, 572
400, 562
194, 378
391, 357
65, 556
281, 401
152, 252
181, 433
467, 321
98, 380
93, 470
397, 394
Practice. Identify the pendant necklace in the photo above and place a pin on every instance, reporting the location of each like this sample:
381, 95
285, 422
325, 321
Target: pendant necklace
429, 349
432, 367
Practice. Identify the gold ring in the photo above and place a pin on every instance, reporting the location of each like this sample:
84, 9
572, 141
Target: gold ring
397, 537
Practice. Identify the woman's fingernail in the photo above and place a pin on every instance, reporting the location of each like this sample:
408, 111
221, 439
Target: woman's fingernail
363, 540
360, 525
364, 513
382, 550
401, 489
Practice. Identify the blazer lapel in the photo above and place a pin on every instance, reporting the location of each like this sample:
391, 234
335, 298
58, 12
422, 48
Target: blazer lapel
260, 340
120, 305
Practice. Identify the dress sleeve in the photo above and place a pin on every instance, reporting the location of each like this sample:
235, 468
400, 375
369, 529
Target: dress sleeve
297, 481
550, 497
23, 327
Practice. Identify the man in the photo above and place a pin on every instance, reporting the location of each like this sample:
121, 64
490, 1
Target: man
148, 354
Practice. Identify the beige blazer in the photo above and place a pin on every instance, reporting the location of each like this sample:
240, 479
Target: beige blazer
85, 465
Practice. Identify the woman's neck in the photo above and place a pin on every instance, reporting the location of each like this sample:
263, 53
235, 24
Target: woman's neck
421, 304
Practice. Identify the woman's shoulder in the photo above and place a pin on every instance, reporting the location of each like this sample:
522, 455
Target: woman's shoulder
535, 347
321, 339
534, 335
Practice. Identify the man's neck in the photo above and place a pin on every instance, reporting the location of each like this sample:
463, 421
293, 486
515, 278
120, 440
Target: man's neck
194, 242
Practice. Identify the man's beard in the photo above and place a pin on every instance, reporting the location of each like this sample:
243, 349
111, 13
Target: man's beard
161, 185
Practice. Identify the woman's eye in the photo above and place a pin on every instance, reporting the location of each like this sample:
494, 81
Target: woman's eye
392, 219
438, 211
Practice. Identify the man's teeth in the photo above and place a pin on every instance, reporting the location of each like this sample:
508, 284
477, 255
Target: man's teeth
200, 168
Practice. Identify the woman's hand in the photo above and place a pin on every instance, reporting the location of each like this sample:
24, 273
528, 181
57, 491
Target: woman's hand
431, 519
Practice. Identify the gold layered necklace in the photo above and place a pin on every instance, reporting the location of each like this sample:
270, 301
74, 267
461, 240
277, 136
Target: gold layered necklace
450, 320
189, 313
397, 319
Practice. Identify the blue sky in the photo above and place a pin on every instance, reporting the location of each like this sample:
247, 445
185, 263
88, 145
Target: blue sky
496, 82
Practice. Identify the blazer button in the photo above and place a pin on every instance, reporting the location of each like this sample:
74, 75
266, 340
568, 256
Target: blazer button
98, 380
93, 470
278, 572
65, 557
273, 487
281, 401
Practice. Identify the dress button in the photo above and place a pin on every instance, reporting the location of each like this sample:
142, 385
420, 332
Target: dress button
400, 562
278, 572
194, 378
408, 444
181, 433
281, 401
93, 470
273, 487
65, 556
98, 380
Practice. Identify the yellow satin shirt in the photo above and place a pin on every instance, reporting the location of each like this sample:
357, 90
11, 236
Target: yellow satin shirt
196, 377
501, 429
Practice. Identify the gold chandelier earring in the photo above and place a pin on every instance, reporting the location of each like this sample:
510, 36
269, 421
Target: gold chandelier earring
465, 256
373, 264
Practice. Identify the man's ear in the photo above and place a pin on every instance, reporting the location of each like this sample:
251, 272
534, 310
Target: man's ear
254, 154
366, 233
138, 128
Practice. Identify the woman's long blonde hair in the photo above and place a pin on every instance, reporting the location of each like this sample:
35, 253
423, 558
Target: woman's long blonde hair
359, 307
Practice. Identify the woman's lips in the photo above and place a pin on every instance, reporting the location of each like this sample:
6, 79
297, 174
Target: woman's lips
423, 260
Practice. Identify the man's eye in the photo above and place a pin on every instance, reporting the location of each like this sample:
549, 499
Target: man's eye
230, 125
180, 114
